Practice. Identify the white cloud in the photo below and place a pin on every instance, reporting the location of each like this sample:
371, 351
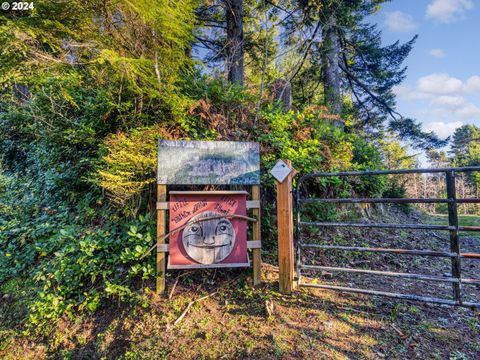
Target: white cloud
442, 88
442, 129
439, 84
409, 94
448, 11
467, 111
447, 106
398, 21
449, 101
438, 53
473, 84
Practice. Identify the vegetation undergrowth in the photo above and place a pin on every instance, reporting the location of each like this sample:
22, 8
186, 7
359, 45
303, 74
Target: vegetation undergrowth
89, 87
80, 248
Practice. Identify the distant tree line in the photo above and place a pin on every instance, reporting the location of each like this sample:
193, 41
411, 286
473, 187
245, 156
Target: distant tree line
464, 152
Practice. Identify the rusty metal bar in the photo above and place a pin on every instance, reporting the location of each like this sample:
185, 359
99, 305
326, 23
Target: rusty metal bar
469, 228
389, 172
453, 228
393, 295
470, 255
470, 281
383, 226
383, 273
382, 250
470, 304
454, 241
376, 200
388, 200
468, 201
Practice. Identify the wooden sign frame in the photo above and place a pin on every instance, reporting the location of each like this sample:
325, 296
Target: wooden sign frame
253, 205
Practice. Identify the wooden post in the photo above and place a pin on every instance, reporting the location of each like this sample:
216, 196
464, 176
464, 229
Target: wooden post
285, 233
257, 235
161, 257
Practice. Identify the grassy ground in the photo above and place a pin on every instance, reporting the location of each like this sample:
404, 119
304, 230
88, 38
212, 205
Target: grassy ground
463, 220
239, 321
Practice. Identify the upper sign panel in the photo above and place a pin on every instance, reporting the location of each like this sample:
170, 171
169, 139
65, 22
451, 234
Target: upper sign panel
208, 162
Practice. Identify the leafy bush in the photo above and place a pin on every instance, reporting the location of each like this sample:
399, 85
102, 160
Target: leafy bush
82, 265
127, 166
73, 191
314, 144
308, 138
75, 258
89, 261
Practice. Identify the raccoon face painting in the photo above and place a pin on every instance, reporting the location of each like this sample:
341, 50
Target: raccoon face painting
208, 241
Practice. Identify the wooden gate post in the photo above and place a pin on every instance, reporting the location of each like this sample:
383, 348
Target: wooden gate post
257, 235
285, 232
161, 222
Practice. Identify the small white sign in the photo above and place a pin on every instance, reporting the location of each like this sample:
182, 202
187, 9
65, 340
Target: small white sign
280, 171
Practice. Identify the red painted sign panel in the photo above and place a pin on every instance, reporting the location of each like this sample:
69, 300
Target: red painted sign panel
208, 237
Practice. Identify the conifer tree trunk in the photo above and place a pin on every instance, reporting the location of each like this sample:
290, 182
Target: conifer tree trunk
331, 69
234, 45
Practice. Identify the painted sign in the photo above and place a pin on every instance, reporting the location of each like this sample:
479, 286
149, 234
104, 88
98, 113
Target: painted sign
208, 237
208, 162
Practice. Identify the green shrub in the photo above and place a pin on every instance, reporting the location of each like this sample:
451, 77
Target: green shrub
70, 212
309, 139
127, 166
88, 265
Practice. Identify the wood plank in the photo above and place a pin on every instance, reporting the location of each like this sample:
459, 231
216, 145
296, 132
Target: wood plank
214, 192
257, 235
254, 244
251, 204
165, 248
285, 233
161, 229
210, 266
164, 205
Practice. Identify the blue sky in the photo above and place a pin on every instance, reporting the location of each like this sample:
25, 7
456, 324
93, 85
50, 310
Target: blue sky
442, 87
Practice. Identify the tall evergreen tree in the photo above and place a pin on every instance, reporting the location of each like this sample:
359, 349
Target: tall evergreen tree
235, 41
233, 34
465, 146
352, 61
437, 158
331, 52
74, 71
220, 31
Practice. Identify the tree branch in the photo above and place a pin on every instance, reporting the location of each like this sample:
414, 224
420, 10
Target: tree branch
305, 54
365, 88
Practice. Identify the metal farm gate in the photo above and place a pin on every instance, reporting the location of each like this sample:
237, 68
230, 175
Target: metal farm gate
304, 243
